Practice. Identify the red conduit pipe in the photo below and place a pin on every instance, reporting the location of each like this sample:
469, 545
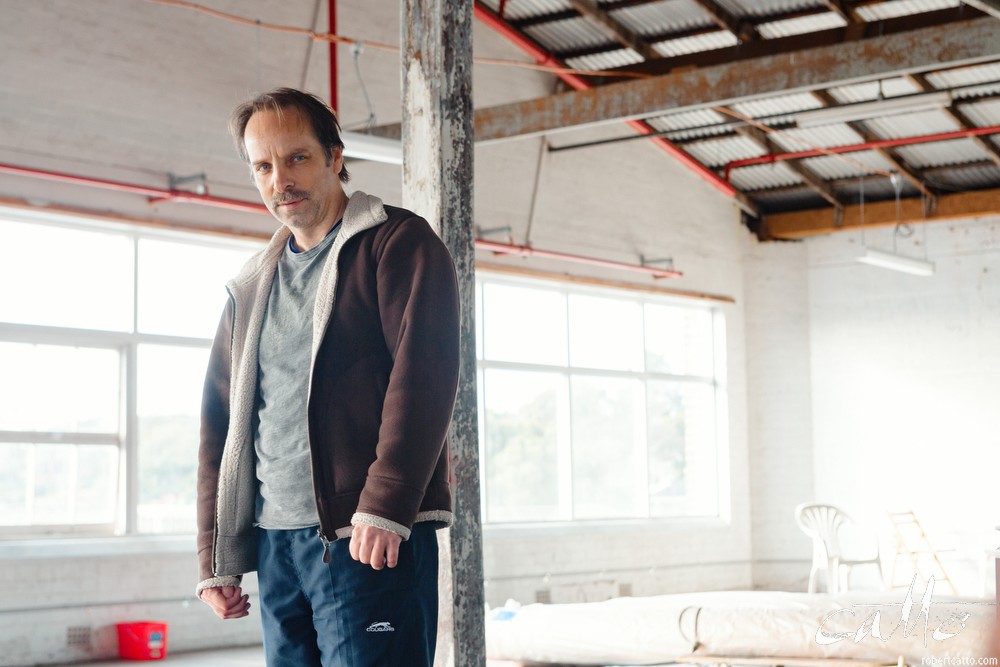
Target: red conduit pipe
868, 145
154, 194
543, 57
528, 251
332, 14
161, 194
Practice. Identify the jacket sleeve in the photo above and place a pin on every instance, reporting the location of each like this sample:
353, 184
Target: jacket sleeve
419, 309
214, 425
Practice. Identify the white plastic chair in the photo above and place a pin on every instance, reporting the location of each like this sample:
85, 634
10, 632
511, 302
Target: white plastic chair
823, 524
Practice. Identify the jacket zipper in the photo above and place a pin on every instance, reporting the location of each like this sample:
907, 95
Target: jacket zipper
326, 546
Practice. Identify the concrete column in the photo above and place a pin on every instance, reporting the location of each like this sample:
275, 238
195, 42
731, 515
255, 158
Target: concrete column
437, 184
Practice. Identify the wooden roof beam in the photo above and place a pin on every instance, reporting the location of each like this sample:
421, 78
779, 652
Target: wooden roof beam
914, 176
613, 28
914, 51
816, 222
744, 30
840, 8
567, 14
810, 178
771, 47
991, 7
959, 117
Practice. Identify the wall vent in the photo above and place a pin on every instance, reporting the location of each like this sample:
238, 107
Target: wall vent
79, 637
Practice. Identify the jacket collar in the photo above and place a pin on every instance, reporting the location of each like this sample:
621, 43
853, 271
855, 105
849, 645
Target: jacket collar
363, 211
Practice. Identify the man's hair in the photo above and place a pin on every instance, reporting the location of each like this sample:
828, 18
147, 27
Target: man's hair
321, 118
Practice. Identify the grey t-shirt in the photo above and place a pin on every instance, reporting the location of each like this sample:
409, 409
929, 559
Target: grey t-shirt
286, 498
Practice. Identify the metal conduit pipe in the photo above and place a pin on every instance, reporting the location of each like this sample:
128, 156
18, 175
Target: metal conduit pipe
868, 145
162, 194
543, 57
528, 251
154, 194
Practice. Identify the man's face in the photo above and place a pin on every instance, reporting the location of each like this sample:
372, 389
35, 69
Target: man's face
291, 171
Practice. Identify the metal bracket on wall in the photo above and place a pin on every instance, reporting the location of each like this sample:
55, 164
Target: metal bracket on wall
666, 262
201, 186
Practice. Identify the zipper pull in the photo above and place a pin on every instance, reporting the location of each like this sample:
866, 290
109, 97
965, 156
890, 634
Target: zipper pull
326, 546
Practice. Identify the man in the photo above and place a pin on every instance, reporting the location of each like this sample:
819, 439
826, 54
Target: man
323, 462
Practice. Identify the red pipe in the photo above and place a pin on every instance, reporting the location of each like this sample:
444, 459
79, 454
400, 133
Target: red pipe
528, 45
528, 251
868, 145
543, 57
161, 194
154, 194
333, 55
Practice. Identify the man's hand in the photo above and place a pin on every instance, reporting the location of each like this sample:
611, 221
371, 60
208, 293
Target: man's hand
227, 601
374, 546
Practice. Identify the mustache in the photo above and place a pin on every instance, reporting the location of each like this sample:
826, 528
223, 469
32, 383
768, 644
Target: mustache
290, 195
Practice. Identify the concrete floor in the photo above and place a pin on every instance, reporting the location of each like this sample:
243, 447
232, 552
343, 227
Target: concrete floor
252, 656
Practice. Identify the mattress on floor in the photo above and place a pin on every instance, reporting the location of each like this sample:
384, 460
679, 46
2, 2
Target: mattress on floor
658, 629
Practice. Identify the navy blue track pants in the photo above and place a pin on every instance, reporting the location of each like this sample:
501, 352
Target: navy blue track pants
344, 613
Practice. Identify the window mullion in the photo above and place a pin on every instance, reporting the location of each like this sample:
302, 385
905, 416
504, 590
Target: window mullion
564, 432
130, 426
131, 440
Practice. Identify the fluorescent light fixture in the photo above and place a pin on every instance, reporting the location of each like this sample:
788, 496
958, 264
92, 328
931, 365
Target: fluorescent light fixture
362, 146
889, 260
888, 106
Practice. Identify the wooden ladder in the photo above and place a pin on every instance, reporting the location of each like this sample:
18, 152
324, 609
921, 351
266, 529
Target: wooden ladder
912, 542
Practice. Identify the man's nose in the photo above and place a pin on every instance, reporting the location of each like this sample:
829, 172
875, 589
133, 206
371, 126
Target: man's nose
282, 179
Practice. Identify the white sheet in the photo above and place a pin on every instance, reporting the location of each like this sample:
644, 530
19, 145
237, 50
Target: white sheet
659, 629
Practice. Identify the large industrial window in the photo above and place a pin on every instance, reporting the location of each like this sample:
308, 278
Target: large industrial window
104, 337
597, 404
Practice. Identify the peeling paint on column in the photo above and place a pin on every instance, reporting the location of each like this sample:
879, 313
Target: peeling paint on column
437, 184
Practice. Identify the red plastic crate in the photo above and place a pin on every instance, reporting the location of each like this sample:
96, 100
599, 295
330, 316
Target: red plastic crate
142, 640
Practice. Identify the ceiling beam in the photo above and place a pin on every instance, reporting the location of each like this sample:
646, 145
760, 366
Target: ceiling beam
613, 28
991, 7
810, 178
915, 178
566, 14
584, 51
984, 143
803, 224
840, 8
847, 183
769, 47
540, 55
963, 43
744, 31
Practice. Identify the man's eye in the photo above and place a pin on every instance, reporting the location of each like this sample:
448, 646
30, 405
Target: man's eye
263, 167
298, 158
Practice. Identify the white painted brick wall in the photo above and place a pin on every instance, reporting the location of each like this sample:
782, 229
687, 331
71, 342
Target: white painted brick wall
779, 408
905, 386
43, 597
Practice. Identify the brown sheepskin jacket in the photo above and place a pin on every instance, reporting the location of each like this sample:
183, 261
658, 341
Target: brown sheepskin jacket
382, 388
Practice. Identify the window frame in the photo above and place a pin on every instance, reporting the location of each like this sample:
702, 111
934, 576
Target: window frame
127, 344
717, 382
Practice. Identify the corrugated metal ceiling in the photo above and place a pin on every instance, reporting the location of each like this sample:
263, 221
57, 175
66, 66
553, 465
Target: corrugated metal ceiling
886, 10
657, 18
696, 43
567, 35
770, 7
676, 28
800, 25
